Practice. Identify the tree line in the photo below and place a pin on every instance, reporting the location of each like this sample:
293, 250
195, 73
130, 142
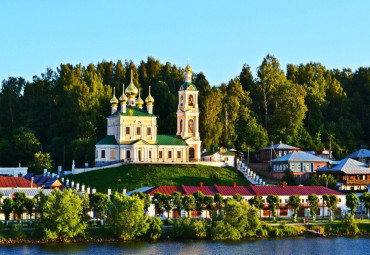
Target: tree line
61, 114
63, 216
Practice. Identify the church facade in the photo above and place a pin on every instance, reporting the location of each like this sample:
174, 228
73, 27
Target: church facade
132, 130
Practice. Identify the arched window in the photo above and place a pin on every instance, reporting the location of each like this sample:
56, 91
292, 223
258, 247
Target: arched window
191, 100
191, 126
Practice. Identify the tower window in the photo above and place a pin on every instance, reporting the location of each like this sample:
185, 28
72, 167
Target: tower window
138, 131
182, 101
191, 100
127, 130
180, 126
149, 131
191, 125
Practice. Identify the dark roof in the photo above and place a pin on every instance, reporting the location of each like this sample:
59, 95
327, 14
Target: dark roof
15, 182
348, 166
50, 182
300, 156
281, 146
133, 111
363, 153
214, 151
42, 180
186, 85
170, 140
250, 190
107, 140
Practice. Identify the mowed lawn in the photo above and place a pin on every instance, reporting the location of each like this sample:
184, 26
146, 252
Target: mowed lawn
131, 177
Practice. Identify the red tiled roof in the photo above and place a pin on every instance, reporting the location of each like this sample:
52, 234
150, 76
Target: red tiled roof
293, 190
15, 182
250, 190
164, 190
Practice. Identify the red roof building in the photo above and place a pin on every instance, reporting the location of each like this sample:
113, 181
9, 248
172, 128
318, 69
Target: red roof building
16, 182
250, 190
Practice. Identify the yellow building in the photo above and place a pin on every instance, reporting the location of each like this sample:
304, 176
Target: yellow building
132, 130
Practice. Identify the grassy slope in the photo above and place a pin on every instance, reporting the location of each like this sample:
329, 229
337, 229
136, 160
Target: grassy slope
136, 176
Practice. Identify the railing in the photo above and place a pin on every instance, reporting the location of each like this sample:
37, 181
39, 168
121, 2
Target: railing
364, 182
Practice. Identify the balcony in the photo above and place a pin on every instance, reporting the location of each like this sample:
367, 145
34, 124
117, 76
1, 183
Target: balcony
357, 182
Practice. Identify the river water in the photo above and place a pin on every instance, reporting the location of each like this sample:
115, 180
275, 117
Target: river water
300, 245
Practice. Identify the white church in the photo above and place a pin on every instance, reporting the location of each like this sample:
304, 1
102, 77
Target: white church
132, 129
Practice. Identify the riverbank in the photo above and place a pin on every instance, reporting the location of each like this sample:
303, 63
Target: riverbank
104, 234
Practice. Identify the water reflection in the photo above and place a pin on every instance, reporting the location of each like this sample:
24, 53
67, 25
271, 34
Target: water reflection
340, 245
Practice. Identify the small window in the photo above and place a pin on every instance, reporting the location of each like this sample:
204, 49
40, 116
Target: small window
127, 130
293, 167
149, 131
160, 154
170, 154
150, 154
178, 154
138, 131
103, 154
302, 200
340, 200
96, 153
128, 155
299, 167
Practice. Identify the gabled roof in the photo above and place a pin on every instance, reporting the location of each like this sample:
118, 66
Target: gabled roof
187, 85
170, 140
281, 146
107, 140
42, 180
132, 111
250, 190
348, 166
299, 156
363, 153
293, 190
15, 182
50, 182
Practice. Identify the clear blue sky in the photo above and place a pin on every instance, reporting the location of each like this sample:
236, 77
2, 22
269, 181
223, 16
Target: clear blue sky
218, 36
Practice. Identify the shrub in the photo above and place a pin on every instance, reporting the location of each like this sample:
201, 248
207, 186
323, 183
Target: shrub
155, 228
186, 228
16, 232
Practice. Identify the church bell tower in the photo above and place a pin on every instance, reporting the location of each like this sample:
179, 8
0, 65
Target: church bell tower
187, 110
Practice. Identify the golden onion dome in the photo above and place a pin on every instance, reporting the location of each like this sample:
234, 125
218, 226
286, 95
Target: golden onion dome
149, 100
188, 68
139, 102
114, 99
131, 90
123, 98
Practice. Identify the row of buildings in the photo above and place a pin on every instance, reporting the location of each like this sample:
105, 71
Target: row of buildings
247, 192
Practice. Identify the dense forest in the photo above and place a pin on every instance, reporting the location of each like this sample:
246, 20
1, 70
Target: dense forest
61, 115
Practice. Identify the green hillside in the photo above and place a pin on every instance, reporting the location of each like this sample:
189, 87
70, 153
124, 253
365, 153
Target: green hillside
135, 176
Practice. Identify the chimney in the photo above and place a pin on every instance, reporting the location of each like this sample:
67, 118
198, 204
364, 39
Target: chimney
280, 142
109, 192
201, 185
234, 185
284, 185
32, 182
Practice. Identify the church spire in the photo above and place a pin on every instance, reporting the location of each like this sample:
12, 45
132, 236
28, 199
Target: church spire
188, 73
149, 103
114, 101
131, 92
